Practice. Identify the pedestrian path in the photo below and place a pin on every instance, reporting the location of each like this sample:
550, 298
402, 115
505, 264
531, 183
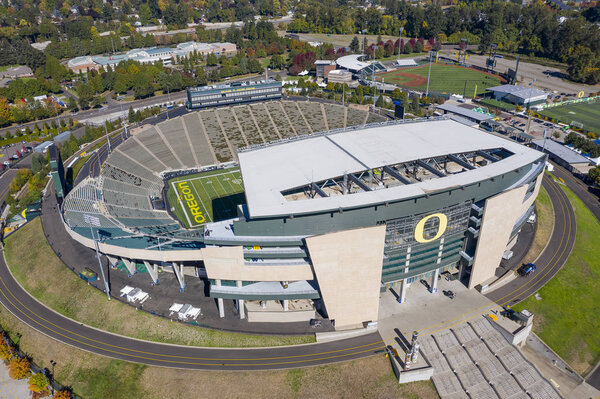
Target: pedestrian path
12, 389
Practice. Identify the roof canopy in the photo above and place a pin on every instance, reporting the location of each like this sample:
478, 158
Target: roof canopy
271, 170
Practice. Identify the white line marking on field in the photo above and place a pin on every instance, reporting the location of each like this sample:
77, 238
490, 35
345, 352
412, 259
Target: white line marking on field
181, 203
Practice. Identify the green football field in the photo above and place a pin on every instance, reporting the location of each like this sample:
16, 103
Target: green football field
583, 115
206, 197
444, 78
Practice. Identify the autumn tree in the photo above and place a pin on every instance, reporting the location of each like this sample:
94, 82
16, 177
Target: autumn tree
64, 394
18, 368
4, 112
37, 384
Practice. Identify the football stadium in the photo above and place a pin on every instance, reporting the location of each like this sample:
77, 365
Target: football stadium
318, 204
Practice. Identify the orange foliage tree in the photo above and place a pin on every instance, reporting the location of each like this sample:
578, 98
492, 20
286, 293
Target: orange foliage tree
18, 368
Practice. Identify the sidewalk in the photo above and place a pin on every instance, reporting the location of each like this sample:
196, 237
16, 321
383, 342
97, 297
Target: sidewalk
12, 389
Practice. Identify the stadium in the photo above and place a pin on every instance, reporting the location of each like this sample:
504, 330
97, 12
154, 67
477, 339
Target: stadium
313, 204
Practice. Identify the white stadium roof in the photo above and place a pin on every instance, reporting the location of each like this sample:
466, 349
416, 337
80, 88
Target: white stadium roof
352, 62
270, 170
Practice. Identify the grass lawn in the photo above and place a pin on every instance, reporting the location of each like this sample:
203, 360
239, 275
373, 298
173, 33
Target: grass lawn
566, 316
545, 221
490, 102
96, 377
36, 267
586, 113
206, 197
444, 78
341, 40
3, 68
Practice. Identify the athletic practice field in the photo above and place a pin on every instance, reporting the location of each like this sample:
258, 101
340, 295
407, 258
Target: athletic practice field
584, 115
206, 197
444, 78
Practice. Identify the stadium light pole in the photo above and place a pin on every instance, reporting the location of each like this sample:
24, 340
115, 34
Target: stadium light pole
428, 76
94, 220
107, 138
399, 41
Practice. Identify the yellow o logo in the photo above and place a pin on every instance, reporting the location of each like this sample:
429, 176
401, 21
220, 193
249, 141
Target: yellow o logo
421, 226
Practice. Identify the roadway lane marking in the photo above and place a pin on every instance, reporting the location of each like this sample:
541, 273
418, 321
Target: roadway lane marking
158, 343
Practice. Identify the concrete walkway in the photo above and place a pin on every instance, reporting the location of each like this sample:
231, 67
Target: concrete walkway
12, 389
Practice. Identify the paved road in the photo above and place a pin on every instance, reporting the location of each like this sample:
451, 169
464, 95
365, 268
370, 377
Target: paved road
581, 189
540, 76
56, 326
114, 106
65, 330
552, 258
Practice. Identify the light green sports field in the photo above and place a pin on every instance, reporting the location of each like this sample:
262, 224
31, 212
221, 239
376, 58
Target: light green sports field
206, 197
586, 114
444, 78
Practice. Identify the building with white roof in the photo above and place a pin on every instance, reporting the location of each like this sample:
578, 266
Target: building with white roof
166, 55
332, 217
520, 95
355, 64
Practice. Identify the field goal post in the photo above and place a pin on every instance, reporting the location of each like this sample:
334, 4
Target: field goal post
577, 124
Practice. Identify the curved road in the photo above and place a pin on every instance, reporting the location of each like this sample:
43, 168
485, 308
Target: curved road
65, 330
554, 255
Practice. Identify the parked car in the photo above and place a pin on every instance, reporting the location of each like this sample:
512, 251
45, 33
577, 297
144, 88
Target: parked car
527, 269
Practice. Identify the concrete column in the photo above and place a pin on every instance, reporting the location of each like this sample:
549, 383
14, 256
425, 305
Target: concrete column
152, 271
402, 298
241, 309
130, 265
241, 303
178, 270
434, 281
285, 305
220, 301
221, 307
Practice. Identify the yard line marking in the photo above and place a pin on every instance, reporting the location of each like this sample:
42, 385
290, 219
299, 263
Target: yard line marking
207, 215
181, 203
228, 194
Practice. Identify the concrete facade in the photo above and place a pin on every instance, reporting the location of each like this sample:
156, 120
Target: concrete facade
347, 265
496, 228
227, 263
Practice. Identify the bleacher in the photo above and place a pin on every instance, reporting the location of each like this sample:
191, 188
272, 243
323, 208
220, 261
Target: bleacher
131, 175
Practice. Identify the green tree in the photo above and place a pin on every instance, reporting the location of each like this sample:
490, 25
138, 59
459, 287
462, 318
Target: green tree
211, 60
355, 45
142, 85
584, 66
276, 62
594, 175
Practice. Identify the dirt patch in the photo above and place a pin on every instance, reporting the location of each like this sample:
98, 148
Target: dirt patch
97, 377
415, 81
365, 378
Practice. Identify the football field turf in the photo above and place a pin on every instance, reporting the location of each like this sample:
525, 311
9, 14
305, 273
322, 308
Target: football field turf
583, 115
206, 197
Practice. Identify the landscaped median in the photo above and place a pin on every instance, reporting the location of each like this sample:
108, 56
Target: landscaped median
566, 315
37, 268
